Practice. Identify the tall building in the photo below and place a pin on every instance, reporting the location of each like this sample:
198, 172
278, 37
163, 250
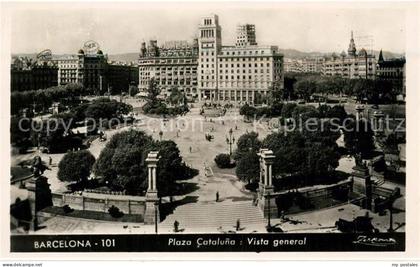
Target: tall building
27, 74
87, 68
120, 75
244, 73
392, 70
210, 44
293, 65
351, 65
90, 67
245, 35
306, 65
174, 64
239, 74
313, 64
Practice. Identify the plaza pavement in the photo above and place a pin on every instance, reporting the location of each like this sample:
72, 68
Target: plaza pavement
204, 214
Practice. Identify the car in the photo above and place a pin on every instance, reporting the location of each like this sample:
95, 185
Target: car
375, 106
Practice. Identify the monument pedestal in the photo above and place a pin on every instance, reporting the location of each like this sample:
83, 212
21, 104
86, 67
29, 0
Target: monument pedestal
362, 183
151, 214
267, 202
39, 196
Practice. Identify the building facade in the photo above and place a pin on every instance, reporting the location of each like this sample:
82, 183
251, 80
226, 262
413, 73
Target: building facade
208, 71
392, 70
27, 74
91, 68
174, 64
245, 35
119, 76
244, 73
87, 69
351, 65
304, 65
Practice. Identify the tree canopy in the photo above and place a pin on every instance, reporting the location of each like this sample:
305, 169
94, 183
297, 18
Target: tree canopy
75, 166
122, 163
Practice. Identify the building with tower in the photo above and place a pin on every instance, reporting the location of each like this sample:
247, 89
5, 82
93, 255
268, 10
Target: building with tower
361, 64
243, 73
174, 64
87, 68
392, 70
32, 74
91, 68
245, 35
210, 45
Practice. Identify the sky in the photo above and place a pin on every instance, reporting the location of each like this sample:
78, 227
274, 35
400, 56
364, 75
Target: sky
64, 28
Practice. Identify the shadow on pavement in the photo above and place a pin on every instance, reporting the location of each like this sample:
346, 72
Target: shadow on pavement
168, 208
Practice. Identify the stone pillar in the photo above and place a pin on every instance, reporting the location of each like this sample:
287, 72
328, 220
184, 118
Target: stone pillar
266, 189
378, 122
152, 199
39, 196
362, 183
359, 112
378, 128
55, 108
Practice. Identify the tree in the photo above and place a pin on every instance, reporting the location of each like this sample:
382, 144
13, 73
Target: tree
122, 163
223, 161
247, 111
289, 151
133, 90
20, 132
152, 91
321, 159
287, 110
76, 166
305, 88
53, 134
104, 108
336, 112
45, 97
358, 137
176, 97
248, 167
247, 142
289, 84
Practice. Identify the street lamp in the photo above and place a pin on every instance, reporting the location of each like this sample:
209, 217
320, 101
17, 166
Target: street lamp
230, 140
269, 212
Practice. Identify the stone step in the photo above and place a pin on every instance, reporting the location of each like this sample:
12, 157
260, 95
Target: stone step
223, 214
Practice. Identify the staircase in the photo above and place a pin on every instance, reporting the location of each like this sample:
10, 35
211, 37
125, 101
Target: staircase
215, 217
379, 182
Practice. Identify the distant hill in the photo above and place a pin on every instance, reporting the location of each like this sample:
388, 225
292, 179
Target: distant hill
288, 53
127, 57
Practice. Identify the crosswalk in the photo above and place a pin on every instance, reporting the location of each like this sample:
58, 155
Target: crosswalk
215, 217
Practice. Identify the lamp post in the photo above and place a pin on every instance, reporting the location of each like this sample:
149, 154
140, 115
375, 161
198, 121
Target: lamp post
156, 218
269, 212
230, 140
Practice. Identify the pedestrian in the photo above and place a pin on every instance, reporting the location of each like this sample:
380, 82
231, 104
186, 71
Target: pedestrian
176, 226
50, 160
238, 225
217, 196
190, 149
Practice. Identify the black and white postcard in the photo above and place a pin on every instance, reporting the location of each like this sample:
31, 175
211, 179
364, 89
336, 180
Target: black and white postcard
209, 127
